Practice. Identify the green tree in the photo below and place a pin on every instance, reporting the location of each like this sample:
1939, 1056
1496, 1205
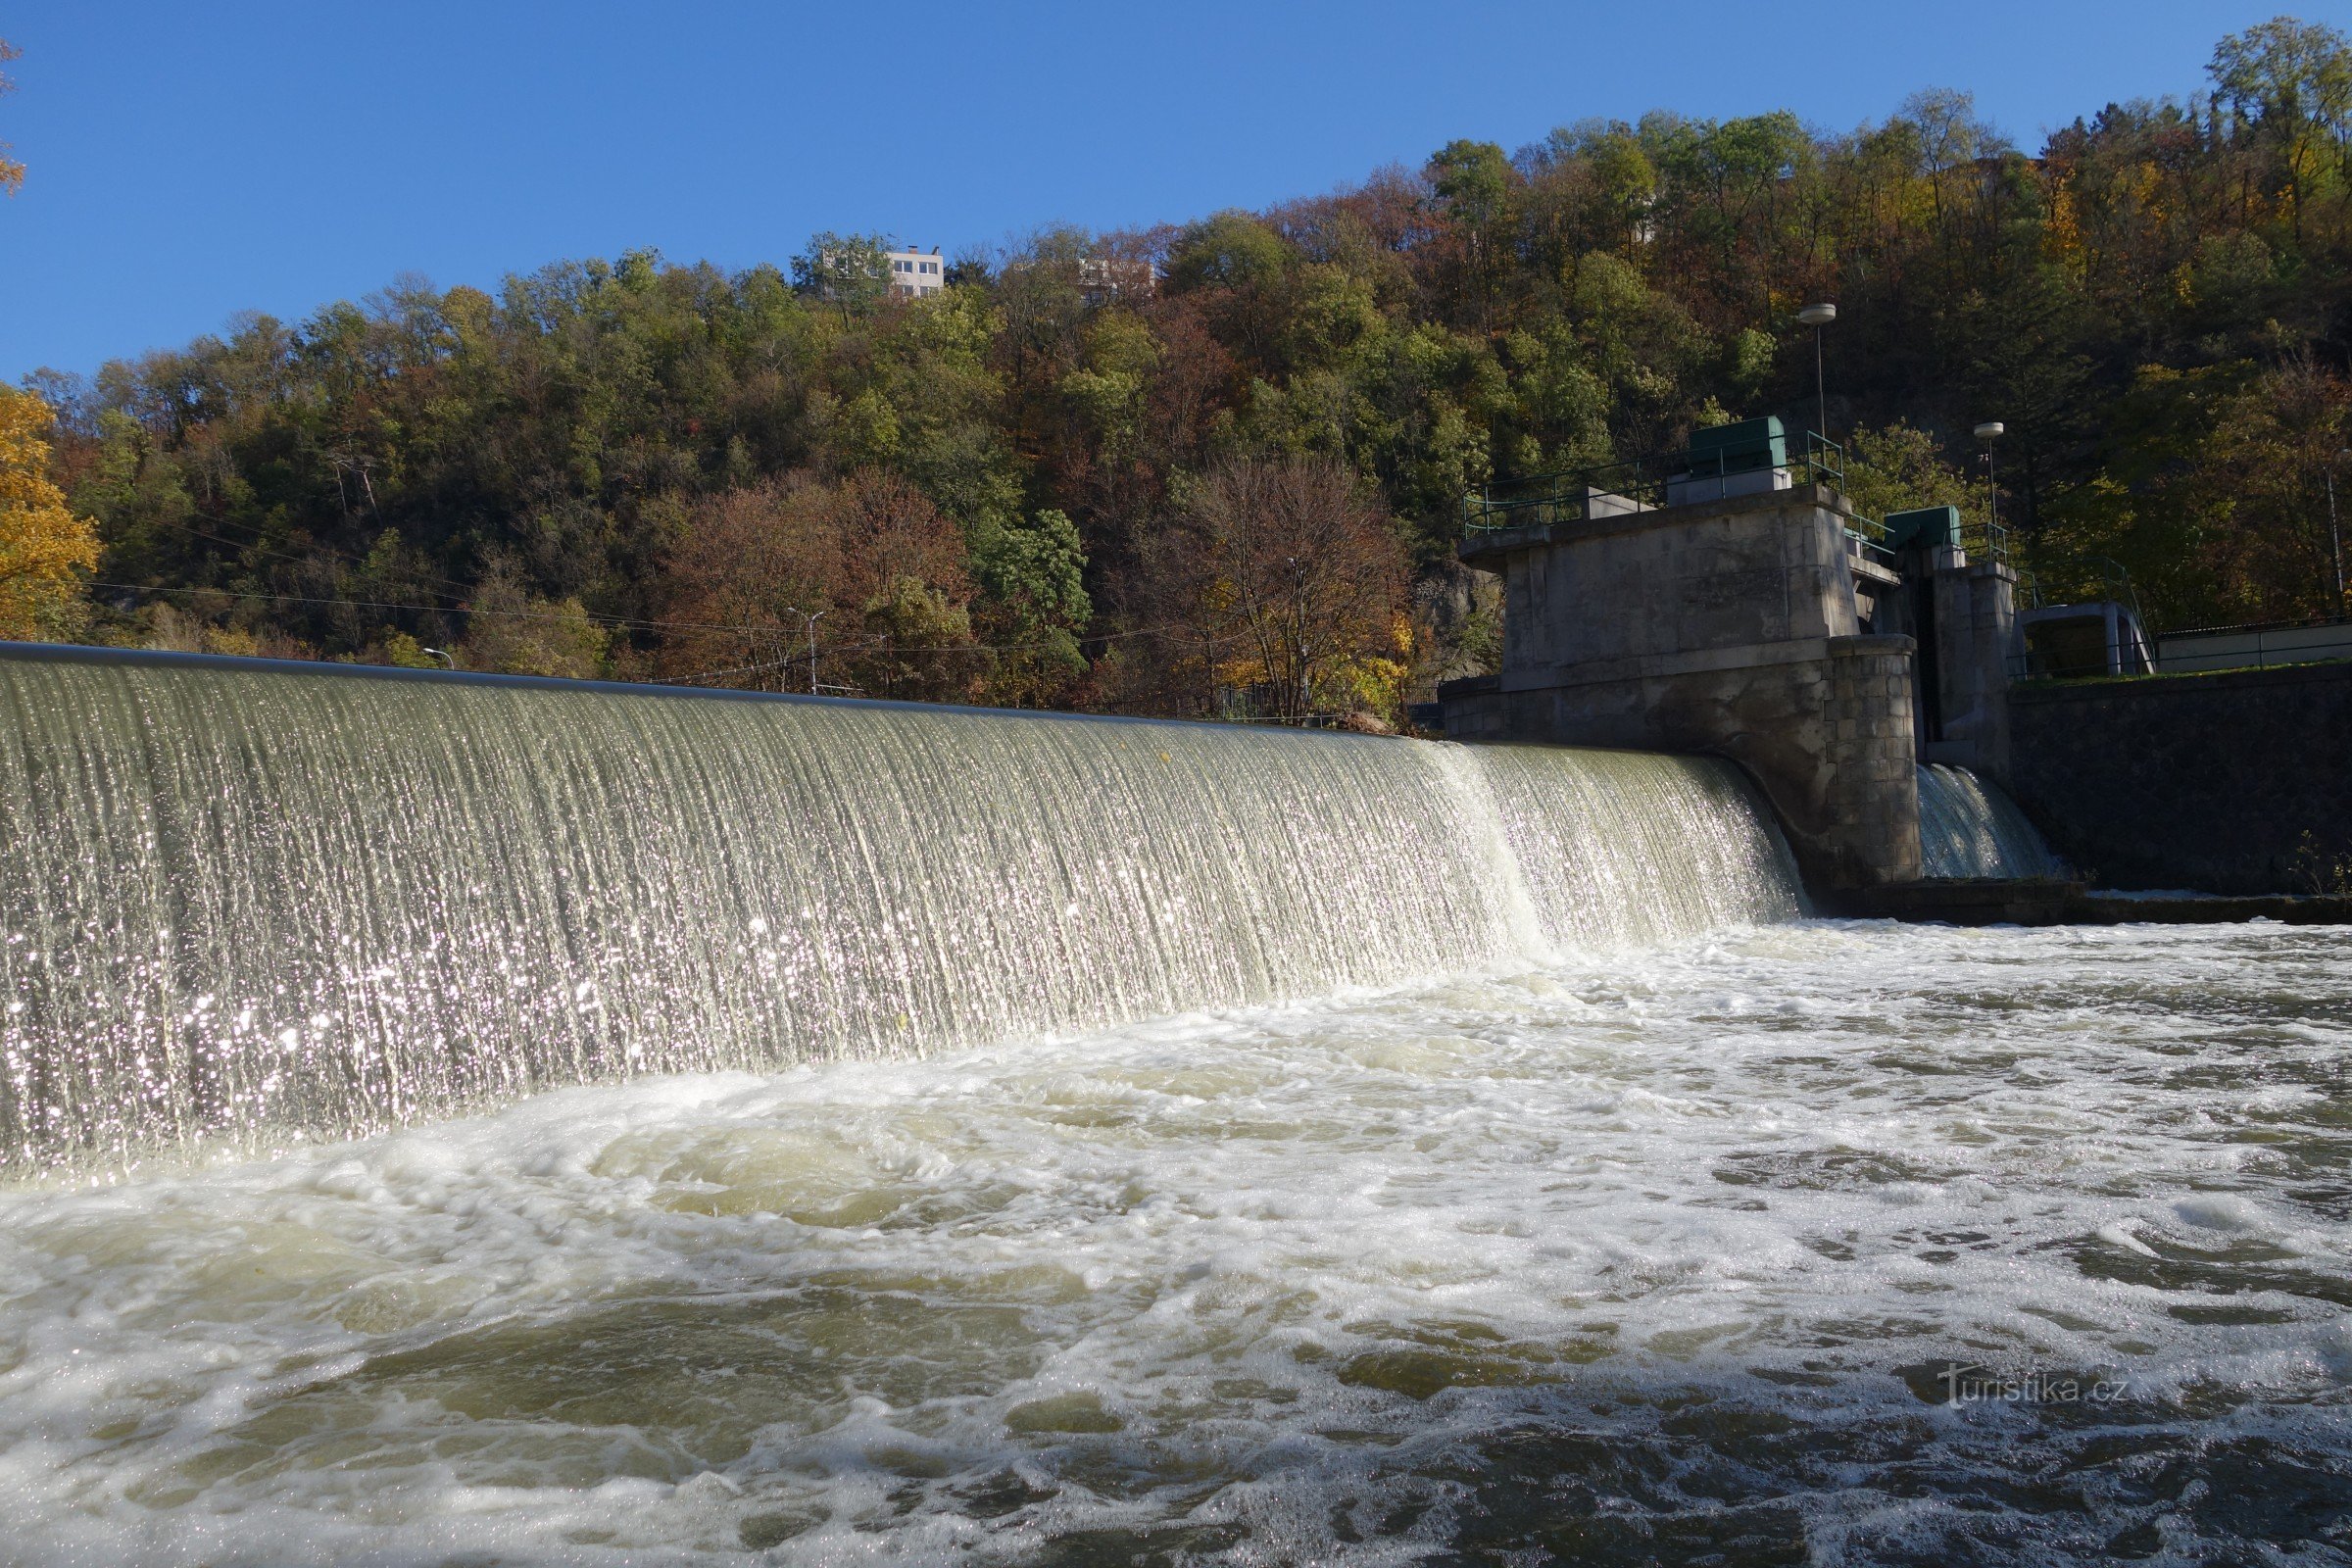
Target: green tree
2291, 81
510, 631
1032, 574
848, 271
1472, 182
1901, 469
702, 461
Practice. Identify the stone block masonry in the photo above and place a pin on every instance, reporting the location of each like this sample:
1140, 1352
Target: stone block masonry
2236, 782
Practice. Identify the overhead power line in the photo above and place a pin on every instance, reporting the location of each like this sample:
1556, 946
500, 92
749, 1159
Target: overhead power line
739, 629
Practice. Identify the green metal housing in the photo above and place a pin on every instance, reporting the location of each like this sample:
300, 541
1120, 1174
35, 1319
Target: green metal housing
1741, 447
1924, 527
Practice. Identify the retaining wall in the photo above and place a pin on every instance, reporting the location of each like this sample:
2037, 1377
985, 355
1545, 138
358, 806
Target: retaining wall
2231, 782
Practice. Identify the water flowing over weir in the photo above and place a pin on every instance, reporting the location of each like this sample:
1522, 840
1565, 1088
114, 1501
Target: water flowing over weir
1970, 827
248, 898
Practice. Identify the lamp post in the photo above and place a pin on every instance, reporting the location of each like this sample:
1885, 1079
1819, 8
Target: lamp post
1989, 432
784, 664
2335, 537
1818, 317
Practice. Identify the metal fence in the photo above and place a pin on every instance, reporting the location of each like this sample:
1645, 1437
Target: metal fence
2258, 647
1646, 484
2205, 651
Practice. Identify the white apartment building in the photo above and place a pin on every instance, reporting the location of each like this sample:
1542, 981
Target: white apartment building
916, 274
1103, 279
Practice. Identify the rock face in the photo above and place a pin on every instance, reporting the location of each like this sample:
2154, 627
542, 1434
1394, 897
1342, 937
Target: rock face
2232, 782
1735, 626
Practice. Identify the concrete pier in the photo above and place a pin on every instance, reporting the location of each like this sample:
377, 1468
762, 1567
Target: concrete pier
1712, 603
1739, 626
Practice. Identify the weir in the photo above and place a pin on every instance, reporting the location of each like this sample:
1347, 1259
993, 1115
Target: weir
256, 900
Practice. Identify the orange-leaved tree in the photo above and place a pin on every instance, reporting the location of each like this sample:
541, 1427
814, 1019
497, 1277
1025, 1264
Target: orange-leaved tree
44, 548
801, 583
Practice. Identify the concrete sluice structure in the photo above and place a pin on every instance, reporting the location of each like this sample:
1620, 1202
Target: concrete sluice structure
251, 901
1749, 616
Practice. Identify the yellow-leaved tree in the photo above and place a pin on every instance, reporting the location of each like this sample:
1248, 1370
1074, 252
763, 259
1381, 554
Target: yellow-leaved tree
44, 548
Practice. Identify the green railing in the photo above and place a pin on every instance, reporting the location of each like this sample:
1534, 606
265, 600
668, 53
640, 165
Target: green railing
1699, 473
1646, 484
1986, 540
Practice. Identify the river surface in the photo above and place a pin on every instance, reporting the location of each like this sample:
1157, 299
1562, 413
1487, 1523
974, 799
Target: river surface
1810, 1243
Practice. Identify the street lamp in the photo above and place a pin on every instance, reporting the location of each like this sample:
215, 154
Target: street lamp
1818, 317
2335, 537
1989, 432
783, 665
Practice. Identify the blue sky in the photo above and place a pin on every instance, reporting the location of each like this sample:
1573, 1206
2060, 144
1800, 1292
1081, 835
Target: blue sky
191, 160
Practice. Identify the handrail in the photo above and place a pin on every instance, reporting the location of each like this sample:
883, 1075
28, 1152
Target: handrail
1646, 484
2244, 627
2044, 664
1987, 540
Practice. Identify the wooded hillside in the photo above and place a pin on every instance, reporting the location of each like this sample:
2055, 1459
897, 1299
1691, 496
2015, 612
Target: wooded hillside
1056, 483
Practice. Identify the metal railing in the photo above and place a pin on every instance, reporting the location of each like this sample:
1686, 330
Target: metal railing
1866, 546
1648, 484
2266, 645
1986, 540
2208, 650
1642, 484
1568, 495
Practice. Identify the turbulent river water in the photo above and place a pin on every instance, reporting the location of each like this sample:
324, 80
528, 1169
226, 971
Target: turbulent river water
1804, 1242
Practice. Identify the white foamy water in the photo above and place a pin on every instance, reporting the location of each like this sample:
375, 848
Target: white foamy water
1651, 1259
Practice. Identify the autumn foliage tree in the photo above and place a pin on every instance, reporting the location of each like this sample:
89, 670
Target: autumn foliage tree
11, 169
867, 572
45, 550
1292, 582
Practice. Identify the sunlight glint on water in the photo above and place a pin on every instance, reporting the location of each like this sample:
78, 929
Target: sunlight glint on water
1599, 1212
